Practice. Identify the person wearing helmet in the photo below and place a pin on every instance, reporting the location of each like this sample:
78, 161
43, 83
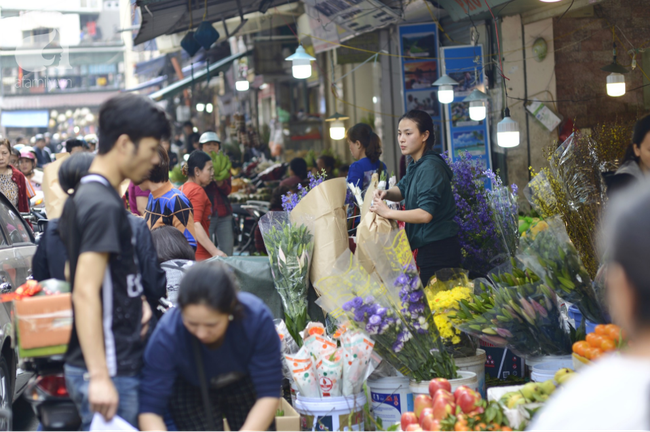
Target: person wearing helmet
27, 165
218, 191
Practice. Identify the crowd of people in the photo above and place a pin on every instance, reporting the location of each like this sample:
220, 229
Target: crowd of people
215, 353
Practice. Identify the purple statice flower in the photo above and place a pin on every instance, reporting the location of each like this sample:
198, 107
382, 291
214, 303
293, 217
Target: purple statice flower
416, 308
398, 346
291, 200
416, 296
359, 315
374, 324
402, 280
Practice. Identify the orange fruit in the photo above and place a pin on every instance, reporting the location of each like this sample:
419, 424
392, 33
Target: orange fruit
596, 353
594, 340
580, 347
607, 345
614, 332
601, 330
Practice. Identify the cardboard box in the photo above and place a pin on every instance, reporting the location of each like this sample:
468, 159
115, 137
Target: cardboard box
290, 421
44, 321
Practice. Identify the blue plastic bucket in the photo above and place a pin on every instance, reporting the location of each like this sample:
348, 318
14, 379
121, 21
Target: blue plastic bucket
576, 316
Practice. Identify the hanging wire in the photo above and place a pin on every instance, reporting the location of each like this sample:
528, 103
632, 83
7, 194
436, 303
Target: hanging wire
189, 8
205, 13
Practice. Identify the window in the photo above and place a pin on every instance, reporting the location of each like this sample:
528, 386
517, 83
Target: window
15, 226
40, 36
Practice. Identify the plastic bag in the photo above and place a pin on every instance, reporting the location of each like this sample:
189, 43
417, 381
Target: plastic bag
304, 373
290, 248
547, 249
504, 207
330, 374
357, 351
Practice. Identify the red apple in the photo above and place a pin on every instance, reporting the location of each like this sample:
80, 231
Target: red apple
467, 401
413, 427
430, 424
438, 383
421, 402
459, 390
442, 408
441, 393
408, 418
425, 412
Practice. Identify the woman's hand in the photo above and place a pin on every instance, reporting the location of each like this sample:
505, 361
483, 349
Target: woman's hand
379, 194
380, 207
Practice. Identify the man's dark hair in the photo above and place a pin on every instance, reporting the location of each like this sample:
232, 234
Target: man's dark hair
188, 124
133, 115
72, 143
160, 172
171, 244
195, 137
299, 167
212, 284
328, 161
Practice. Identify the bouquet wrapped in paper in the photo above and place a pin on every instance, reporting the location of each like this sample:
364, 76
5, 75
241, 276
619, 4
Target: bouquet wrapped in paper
289, 246
547, 250
351, 295
395, 266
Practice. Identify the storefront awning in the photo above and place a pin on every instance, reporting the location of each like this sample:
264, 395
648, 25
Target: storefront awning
160, 17
24, 119
199, 74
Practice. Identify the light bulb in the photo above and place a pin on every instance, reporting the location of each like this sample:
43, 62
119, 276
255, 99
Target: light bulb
242, 85
477, 110
507, 131
446, 94
337, 130
200, 107
615, 85
209, 108
301, 69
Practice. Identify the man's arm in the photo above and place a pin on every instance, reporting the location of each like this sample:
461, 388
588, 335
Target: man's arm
102, 396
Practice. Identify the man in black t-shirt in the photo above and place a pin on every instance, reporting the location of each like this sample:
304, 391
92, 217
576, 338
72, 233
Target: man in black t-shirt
104, 355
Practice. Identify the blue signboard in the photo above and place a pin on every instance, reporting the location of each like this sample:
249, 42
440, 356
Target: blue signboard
420, 68
465, 65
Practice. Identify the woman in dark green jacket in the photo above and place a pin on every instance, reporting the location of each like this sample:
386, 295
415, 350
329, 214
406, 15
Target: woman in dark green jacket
429, 201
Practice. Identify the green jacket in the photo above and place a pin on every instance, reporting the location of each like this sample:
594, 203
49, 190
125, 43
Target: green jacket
427, 186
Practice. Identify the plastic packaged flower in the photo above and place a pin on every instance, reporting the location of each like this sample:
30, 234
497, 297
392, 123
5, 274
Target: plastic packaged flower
505, 212
547, 249
290, 248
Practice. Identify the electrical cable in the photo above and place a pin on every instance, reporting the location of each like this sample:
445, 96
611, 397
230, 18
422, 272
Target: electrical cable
496, 28
578, 100
570, 6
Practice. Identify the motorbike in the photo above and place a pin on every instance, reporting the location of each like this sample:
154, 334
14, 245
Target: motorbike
48, 396
245, 220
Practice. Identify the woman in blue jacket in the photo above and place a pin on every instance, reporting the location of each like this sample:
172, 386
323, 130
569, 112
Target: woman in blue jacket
365, 147
218, 342
429, 201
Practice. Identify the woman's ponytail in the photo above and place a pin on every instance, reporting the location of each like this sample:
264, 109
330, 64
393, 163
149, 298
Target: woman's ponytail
369, 141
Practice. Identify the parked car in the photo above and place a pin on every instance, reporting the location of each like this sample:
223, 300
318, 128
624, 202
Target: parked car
17, 247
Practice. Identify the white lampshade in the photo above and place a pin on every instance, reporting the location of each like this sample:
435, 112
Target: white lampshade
550, 1
301, 63
200, 107
446, 94
507, 131
615, 85
337, 130
209, 108
477, 110
242, 85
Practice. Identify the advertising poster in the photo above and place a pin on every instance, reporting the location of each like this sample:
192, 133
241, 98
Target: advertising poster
420, 68
465, 65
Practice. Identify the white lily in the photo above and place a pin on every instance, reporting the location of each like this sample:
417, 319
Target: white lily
281, 255
356, 191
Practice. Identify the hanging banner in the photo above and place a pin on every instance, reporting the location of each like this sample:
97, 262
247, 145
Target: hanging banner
465, 65
420, 68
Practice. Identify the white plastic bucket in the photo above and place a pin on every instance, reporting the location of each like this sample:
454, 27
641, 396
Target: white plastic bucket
389, 398
331, 413
531, 362
475, 364
294, 392
467, 378
546, 371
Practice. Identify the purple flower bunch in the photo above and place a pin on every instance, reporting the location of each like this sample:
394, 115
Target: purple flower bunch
378, 320
412, 297
479, 239
291, 200
505, 212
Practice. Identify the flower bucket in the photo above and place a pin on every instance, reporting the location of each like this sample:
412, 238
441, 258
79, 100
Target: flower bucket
465, 378
475, 364
331, 413
390, 398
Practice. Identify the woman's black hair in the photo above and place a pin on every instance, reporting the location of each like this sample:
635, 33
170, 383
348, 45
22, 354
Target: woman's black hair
369, 141
171, 244
328, 161
15, 152
73, 169
160, 172
212, 284
276, 197
72, 143
299, 167
424, 123
641, 129
197, 159
627, 243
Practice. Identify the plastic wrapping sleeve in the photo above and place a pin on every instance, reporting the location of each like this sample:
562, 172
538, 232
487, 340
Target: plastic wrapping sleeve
330, 374
525, 319
547, 249
304, 373
290, 247
540, 195
357, 352
505, 216
395, 266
